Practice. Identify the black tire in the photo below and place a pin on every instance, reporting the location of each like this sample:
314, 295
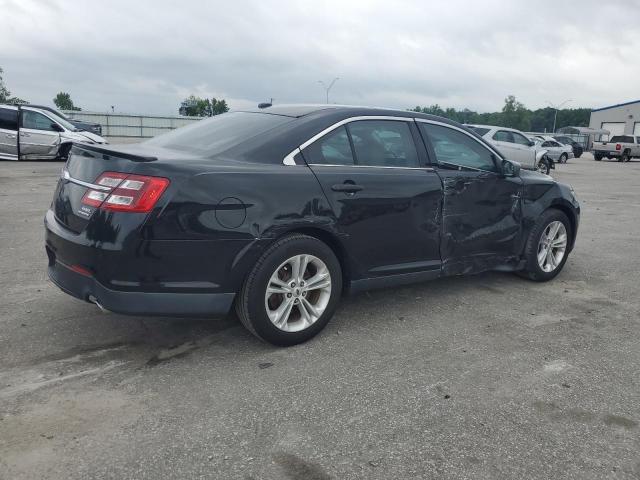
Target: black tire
250, 302
532, 269
543, 166
63, 152
597, 158
625, 157
563, 158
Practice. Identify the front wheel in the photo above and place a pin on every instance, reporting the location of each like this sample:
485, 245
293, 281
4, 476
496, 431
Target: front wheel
292, 291
547, 246
543, 166
597, 158
563, 158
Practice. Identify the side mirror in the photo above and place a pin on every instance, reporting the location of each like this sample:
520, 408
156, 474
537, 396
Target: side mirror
531, 143
56, 128
510, 169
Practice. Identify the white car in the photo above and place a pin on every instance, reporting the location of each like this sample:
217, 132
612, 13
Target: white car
28, 133
559, 152
515, 145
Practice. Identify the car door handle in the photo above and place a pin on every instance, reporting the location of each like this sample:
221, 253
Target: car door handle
23, 134
347, 187
10, 135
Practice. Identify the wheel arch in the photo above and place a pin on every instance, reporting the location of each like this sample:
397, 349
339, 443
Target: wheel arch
334, 243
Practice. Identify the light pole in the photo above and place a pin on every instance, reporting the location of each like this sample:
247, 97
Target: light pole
326, 89
556, 108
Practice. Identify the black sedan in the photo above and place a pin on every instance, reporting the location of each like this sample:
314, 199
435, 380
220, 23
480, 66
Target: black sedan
279, 212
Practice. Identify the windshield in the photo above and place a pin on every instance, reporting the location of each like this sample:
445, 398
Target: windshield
479, 130
219, 133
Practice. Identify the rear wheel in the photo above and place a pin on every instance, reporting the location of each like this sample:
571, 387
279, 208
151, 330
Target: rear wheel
597, 158
292, 292
625, 157
547, 247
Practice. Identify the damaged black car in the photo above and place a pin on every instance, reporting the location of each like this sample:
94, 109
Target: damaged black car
277, 213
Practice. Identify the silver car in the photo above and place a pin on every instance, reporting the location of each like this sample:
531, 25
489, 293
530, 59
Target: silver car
28, 133
515, 145
559, 152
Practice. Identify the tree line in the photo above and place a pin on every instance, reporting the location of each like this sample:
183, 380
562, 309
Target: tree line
515, 115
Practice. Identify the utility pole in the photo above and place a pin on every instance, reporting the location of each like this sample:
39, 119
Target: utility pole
327, 88
556, 108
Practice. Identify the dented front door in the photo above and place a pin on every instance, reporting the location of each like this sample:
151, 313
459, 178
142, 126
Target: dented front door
481, 220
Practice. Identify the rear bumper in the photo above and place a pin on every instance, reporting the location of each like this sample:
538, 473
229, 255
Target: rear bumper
148, 277
90, 290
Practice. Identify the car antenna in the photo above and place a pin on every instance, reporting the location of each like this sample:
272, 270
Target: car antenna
266, 104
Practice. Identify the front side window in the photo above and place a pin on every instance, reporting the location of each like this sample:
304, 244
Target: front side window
36, 121
8, 119
383, 143
453, 147
520, 139
547, 144
332, 149
503, 136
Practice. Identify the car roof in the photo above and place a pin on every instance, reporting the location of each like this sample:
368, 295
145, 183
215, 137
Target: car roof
302, 110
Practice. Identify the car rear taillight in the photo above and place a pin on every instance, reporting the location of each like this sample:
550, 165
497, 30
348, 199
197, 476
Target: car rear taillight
618, 146
127, 193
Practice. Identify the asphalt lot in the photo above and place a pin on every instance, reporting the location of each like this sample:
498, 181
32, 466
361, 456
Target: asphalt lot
482, 377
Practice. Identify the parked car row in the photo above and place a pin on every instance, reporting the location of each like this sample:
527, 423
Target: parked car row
30, 133
516, 146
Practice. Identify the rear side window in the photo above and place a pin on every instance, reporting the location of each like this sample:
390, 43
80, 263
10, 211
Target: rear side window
219, 133
9, 119
503, 136
383, 143
453, 147
332, 149
36, 121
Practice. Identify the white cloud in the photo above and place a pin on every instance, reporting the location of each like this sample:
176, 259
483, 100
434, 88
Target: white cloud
146, 56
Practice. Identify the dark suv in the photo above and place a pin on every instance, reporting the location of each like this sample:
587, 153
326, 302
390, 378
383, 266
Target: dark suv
87, 126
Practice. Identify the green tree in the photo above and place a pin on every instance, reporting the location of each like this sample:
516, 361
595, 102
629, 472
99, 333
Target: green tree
5, 94
515, 115
218, 106
202, 107
63, 102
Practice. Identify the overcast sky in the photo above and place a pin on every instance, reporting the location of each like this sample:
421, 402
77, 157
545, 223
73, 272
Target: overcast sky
146, 56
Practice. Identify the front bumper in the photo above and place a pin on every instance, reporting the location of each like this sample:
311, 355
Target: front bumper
87, 288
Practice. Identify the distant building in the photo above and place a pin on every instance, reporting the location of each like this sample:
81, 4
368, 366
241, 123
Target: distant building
621, 119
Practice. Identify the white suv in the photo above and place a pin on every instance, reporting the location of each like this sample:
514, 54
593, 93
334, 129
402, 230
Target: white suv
515, 145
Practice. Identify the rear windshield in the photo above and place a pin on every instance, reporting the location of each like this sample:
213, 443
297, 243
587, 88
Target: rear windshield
479, 130
219, 133
622, 139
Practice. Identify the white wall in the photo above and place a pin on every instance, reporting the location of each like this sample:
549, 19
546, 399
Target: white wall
129, 128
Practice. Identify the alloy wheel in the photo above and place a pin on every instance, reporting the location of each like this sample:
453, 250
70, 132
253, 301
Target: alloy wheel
542, 167
298, 293
552, 246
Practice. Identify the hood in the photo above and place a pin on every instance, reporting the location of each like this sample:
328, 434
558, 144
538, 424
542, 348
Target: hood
86, 137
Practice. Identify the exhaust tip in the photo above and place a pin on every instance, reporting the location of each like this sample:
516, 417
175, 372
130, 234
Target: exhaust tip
95, 301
